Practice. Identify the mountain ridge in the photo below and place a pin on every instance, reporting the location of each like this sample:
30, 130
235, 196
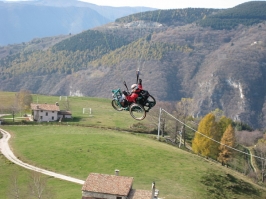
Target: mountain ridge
217, 68
26, 20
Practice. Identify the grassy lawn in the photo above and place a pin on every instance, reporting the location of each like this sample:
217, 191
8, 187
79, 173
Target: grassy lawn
7, 99
78, 151
61, 189
102, 113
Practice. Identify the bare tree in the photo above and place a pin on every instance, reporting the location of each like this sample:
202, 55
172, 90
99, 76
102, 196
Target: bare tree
23, 100
174, 130
183, 110
65, 105
38, 187
13, 109
153, 115
14, 189
261, 151
176, 133
248, 138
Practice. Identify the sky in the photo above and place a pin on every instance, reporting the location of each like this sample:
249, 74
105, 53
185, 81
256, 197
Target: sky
170, 4
167, 4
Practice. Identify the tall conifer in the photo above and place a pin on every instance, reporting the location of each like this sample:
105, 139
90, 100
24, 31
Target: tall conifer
228, 139
204, 144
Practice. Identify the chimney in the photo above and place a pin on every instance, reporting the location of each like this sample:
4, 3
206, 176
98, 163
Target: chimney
153, 190
117, 172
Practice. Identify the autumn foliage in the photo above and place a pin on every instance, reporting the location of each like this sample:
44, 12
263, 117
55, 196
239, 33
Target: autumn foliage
227, 142
207, 132
213, 138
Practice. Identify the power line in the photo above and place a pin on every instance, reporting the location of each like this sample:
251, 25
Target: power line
211, 138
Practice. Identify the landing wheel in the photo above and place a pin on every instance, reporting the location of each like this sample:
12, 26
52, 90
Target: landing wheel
137, 111
116, 105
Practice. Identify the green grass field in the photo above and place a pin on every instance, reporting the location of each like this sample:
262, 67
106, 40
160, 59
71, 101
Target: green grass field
102, 115
60, 188
6, 99
77, 151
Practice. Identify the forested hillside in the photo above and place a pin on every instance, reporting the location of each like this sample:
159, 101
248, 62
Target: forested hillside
170, 17
246, 14
178, 58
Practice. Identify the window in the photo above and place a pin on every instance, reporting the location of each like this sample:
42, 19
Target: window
46, 113
41, 111
53, 118
118, 197
52, 111
41, 117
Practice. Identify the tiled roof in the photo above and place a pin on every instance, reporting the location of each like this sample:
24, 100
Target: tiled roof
109, 184
139, 194
45, 107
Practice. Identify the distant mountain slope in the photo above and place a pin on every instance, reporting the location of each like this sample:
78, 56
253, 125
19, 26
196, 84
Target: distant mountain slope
23, 21
108, 12
223, 69
170, 17
247, 14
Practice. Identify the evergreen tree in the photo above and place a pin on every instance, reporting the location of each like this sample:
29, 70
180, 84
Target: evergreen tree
228, 139
224, 123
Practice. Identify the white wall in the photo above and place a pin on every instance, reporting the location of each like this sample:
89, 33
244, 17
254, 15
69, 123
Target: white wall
100, 195
45, 116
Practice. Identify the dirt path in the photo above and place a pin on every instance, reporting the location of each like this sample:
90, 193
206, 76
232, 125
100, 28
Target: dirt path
7, 152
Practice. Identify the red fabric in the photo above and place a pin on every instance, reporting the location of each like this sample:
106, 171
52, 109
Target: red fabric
133, 96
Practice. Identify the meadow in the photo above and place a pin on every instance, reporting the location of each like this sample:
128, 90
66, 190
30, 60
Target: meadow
60, 188
102, 113
91, 144
78, 151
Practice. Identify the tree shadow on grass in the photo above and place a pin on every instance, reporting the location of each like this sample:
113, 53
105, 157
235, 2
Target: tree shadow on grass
74, 119
227, 186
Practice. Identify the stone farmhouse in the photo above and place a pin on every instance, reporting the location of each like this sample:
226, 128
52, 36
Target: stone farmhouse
103, 186
48, 113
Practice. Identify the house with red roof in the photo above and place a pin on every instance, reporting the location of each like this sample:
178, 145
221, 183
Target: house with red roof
48, 112
103, 186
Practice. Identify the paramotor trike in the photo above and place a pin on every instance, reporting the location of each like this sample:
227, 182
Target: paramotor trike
137, 110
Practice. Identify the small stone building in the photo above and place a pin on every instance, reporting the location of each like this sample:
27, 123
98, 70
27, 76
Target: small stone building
103, 186
48, 112
64, 114
44, 112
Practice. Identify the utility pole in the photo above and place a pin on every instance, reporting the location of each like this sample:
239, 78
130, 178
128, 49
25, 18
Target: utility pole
183, 130
13, 114
181, 135
159, 124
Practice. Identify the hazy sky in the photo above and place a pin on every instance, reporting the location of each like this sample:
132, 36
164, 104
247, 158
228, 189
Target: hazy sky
170, 4
167, 4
